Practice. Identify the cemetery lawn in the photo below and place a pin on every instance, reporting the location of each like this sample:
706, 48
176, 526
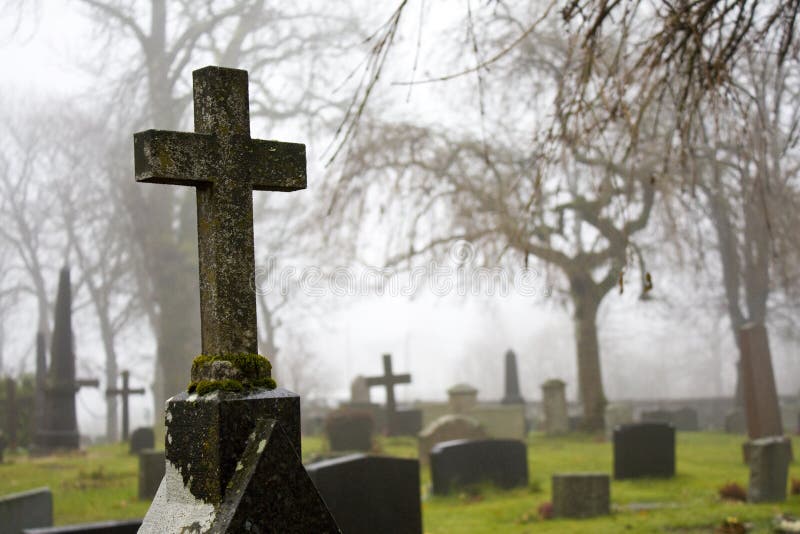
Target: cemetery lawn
100, 484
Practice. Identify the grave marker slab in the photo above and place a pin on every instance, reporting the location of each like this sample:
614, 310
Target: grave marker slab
581, 495
28, 509
448, 428
459, 463
644, 450
369, 494
142, 438
769, 469
512, 394
554, 400
152, 468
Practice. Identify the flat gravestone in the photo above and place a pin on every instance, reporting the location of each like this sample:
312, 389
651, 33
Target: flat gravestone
447, 428
404, 422
142, 438
769, 469
459, 463
644, 450
370, 494
152, 468
581, 495
104, 527
28, 509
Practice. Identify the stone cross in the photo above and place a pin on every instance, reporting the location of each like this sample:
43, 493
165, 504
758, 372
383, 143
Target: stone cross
125, 392
389, 380
224, 165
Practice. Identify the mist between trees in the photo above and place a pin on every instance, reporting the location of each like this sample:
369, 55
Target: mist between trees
591, 148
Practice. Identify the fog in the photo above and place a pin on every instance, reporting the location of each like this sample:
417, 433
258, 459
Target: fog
675, 343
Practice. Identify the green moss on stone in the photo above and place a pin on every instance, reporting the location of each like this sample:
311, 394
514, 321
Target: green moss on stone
255, 369
207, 386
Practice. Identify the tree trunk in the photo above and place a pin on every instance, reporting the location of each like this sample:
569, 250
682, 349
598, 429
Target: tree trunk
590, 379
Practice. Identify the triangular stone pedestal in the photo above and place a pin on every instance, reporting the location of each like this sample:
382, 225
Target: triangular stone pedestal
234, 465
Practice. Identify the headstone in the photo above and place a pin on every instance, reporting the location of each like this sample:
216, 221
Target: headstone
448, 428
349, 430
389, 380
233, 444
152, 467
758, 383
142, 438
28, 509
460, 463
581, 495
125, 392
769, 469
359, 391
512, 394
617, 414
61, 429
462, 397
554, 401
644, 450
406, 422
369, 494
130, 526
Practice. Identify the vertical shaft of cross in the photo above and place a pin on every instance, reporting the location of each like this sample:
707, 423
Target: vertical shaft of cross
387, 371
125, 392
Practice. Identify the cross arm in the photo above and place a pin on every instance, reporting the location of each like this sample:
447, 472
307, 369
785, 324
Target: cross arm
277, 166
174, 158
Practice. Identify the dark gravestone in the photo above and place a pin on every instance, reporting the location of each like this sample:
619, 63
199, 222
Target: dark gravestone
581, 495
459, 463
349, 430
61, 429
29, 509
405, 422
644, 450
130, 526
389, 380
152, 467
233, 456
371, 494
758, 383
125, 392
141, 439
512, 394
769, 469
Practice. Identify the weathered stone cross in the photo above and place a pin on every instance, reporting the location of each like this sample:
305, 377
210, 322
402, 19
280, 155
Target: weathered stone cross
389, 380
125, 392
225, 165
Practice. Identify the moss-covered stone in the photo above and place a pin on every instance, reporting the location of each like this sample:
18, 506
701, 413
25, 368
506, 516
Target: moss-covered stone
230, 372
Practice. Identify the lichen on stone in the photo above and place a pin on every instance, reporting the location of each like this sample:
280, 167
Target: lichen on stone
230, 372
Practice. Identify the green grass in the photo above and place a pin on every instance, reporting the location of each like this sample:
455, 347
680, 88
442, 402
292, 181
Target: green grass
101, 484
